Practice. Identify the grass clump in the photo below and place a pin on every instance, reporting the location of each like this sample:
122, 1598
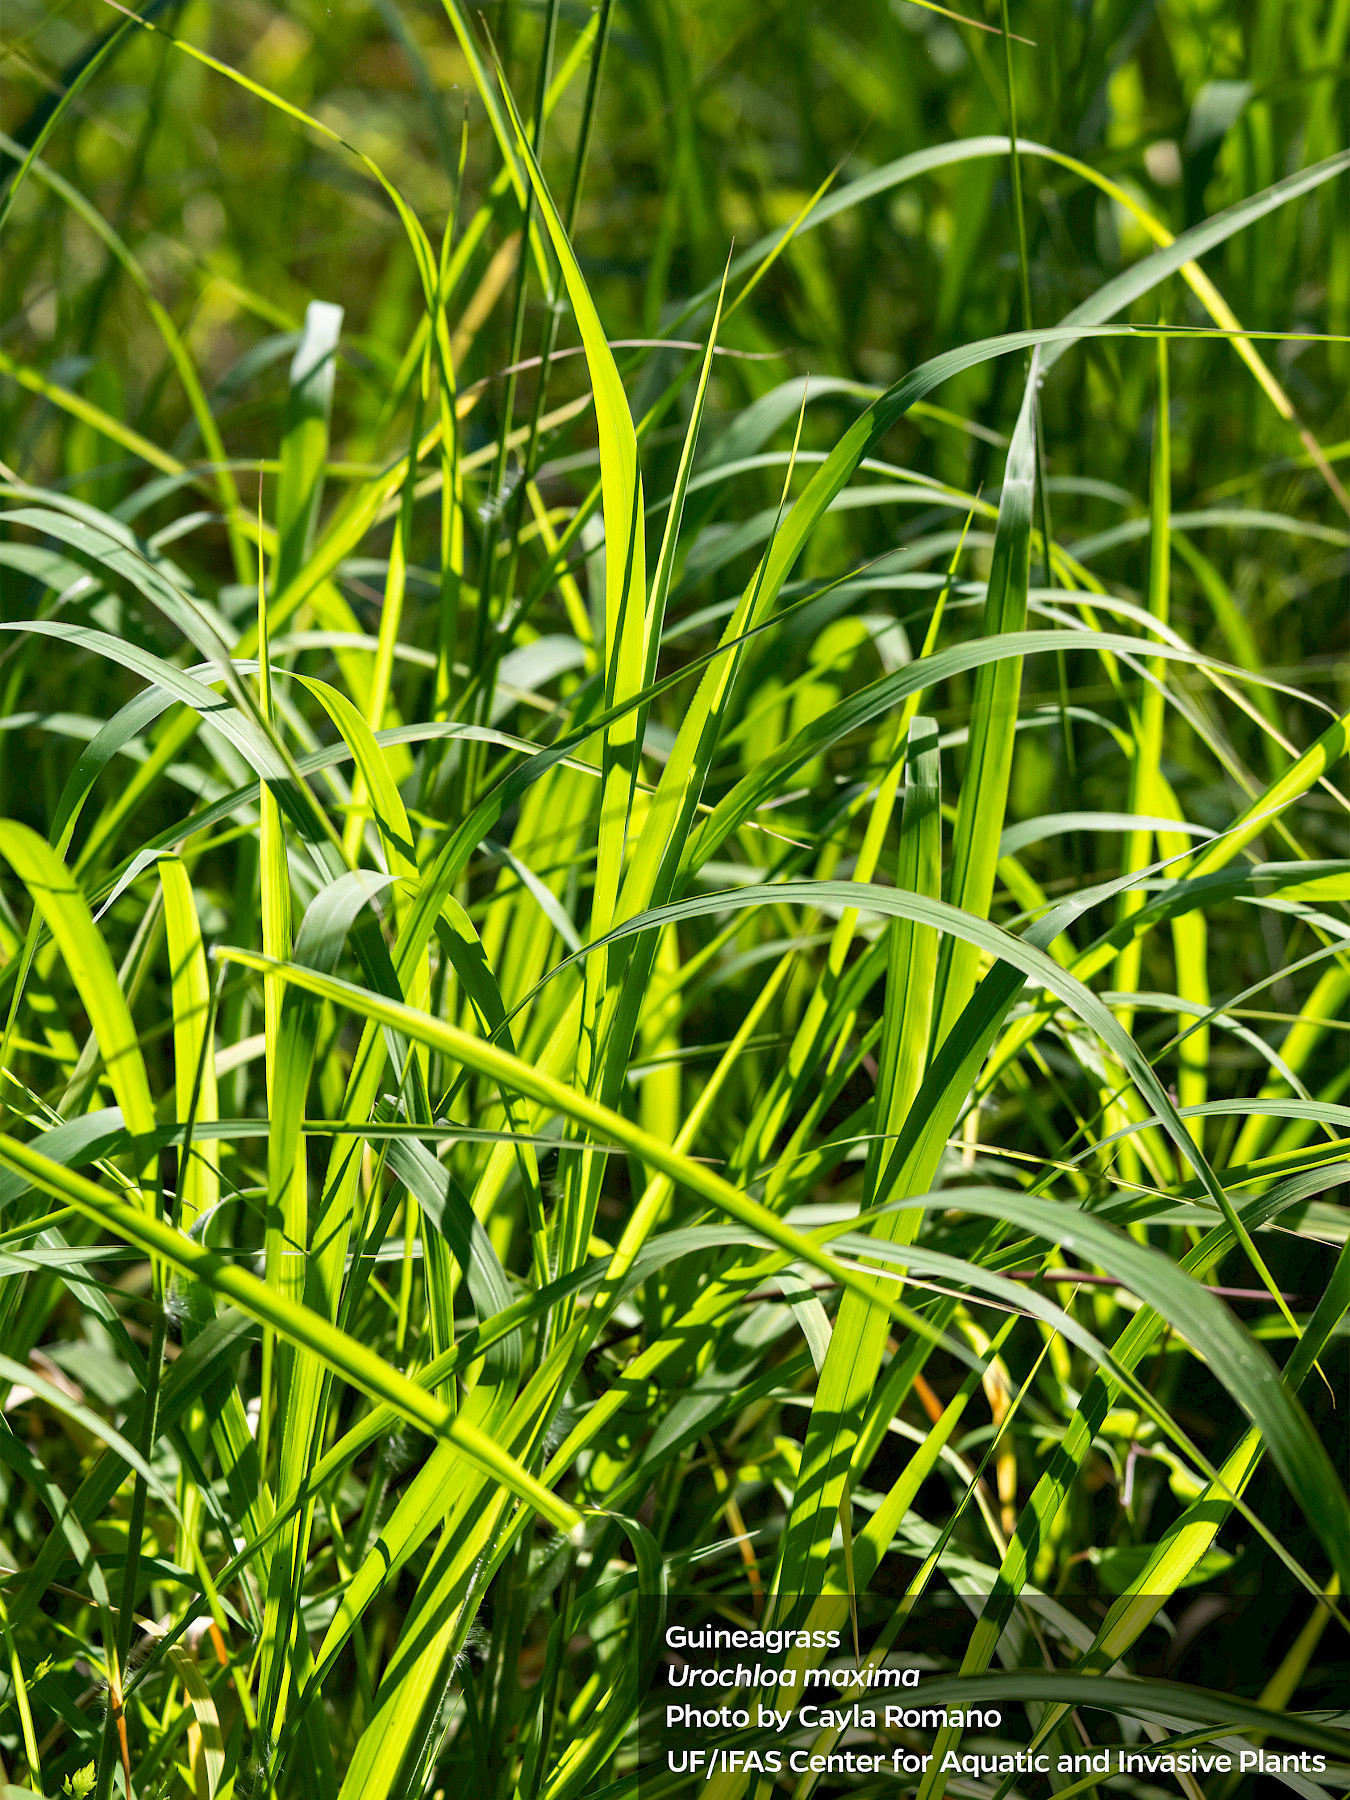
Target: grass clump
673, 869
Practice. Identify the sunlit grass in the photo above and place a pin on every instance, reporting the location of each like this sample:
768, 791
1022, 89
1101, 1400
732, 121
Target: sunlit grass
626, 643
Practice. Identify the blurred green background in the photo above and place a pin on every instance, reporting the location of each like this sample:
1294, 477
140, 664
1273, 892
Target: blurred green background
715, 123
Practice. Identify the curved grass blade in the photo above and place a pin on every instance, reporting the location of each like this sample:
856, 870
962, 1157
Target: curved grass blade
345, 1355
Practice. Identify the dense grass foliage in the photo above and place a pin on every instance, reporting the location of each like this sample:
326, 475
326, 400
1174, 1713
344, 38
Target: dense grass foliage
666, 923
